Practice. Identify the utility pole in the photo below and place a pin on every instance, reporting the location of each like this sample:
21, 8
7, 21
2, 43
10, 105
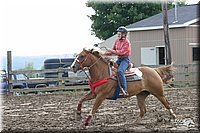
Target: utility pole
166, 33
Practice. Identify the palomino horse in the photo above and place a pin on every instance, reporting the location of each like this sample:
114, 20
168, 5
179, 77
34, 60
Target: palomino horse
151, 83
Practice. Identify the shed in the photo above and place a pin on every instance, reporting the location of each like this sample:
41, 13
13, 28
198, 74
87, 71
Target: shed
147, 37
148, 47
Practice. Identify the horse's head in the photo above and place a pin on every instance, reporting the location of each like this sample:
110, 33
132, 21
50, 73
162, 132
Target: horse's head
166, 73
84, 59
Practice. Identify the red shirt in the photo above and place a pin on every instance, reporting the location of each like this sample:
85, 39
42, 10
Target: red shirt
123, 47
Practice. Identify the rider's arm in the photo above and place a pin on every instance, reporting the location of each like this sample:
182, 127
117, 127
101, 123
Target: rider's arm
125, 50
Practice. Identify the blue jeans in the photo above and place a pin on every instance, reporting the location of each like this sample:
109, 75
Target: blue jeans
123, 65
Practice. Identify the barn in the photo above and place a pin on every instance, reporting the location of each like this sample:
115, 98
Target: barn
147, 39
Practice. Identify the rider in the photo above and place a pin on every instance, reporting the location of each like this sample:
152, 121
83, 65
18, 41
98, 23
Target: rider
121, 48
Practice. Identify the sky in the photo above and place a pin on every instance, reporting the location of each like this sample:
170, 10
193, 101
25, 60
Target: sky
46, 27
42, 27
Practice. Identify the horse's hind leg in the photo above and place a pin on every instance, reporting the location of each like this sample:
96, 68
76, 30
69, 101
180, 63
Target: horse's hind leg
164, 101
141, 104
87, 97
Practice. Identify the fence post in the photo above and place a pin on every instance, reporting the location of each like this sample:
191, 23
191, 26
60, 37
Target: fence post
9, 69
60, 81
186, 69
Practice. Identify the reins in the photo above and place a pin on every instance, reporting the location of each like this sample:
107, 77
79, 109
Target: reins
83, 68
94, 63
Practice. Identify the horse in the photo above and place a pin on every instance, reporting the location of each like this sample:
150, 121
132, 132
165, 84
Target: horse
151, 83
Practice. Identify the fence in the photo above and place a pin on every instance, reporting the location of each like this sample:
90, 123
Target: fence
186, 75
61, 86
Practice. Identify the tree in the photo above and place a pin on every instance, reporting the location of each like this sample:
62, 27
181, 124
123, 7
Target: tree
109, 16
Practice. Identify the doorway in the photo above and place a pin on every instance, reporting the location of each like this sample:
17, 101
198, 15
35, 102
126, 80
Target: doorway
161, 55
160, 50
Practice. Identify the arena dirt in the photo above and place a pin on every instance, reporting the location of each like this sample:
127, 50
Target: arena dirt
56, 112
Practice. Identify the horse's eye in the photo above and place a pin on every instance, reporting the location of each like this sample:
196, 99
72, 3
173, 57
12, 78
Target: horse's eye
81, 57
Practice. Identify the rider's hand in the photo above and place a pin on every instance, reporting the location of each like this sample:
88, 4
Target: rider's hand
107, 53
113, 52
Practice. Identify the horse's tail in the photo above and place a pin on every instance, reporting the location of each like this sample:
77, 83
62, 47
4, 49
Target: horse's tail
166, 73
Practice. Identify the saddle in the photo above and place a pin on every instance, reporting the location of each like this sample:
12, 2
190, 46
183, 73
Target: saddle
131, 73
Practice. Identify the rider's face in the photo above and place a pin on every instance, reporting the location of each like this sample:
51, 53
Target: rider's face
120, 35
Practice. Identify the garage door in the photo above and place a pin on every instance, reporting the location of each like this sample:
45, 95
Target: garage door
148, 56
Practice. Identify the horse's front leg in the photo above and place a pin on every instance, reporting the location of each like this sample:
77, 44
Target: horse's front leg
87, 97
97, 103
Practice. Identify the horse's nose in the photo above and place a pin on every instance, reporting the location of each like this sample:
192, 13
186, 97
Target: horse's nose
75, 68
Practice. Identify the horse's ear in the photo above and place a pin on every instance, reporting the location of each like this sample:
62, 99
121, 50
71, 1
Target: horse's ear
96, 52
91, 50
86, 50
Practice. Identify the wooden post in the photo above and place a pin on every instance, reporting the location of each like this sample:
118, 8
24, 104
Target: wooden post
60, 81
9, 69
166, 33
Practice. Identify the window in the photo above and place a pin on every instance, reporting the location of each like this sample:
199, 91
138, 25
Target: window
19, 77
196, 53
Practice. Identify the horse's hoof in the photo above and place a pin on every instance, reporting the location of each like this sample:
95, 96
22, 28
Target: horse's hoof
86, 124
172, 113
87, 121
137, 121
78, 116
174, 116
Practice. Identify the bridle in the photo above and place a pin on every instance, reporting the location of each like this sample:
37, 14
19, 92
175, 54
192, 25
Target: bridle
80, 62
83, 61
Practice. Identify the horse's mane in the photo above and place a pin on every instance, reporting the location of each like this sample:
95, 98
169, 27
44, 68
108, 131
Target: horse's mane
99, 54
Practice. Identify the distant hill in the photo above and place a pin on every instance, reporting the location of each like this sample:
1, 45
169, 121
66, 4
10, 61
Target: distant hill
19, 62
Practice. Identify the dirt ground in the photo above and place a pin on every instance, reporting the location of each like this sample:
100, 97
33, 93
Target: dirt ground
56, 112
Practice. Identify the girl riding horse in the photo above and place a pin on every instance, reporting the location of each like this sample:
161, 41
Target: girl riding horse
151, 83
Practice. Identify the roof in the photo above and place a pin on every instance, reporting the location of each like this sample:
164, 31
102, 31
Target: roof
186, 15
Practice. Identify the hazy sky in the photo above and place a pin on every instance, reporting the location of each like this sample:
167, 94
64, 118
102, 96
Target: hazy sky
39, 27
43, 27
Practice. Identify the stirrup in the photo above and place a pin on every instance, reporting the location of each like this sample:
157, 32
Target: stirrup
125, 93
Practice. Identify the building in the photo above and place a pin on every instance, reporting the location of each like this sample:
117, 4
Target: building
147, 37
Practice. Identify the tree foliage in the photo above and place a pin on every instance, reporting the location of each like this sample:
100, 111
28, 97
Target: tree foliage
109, 16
